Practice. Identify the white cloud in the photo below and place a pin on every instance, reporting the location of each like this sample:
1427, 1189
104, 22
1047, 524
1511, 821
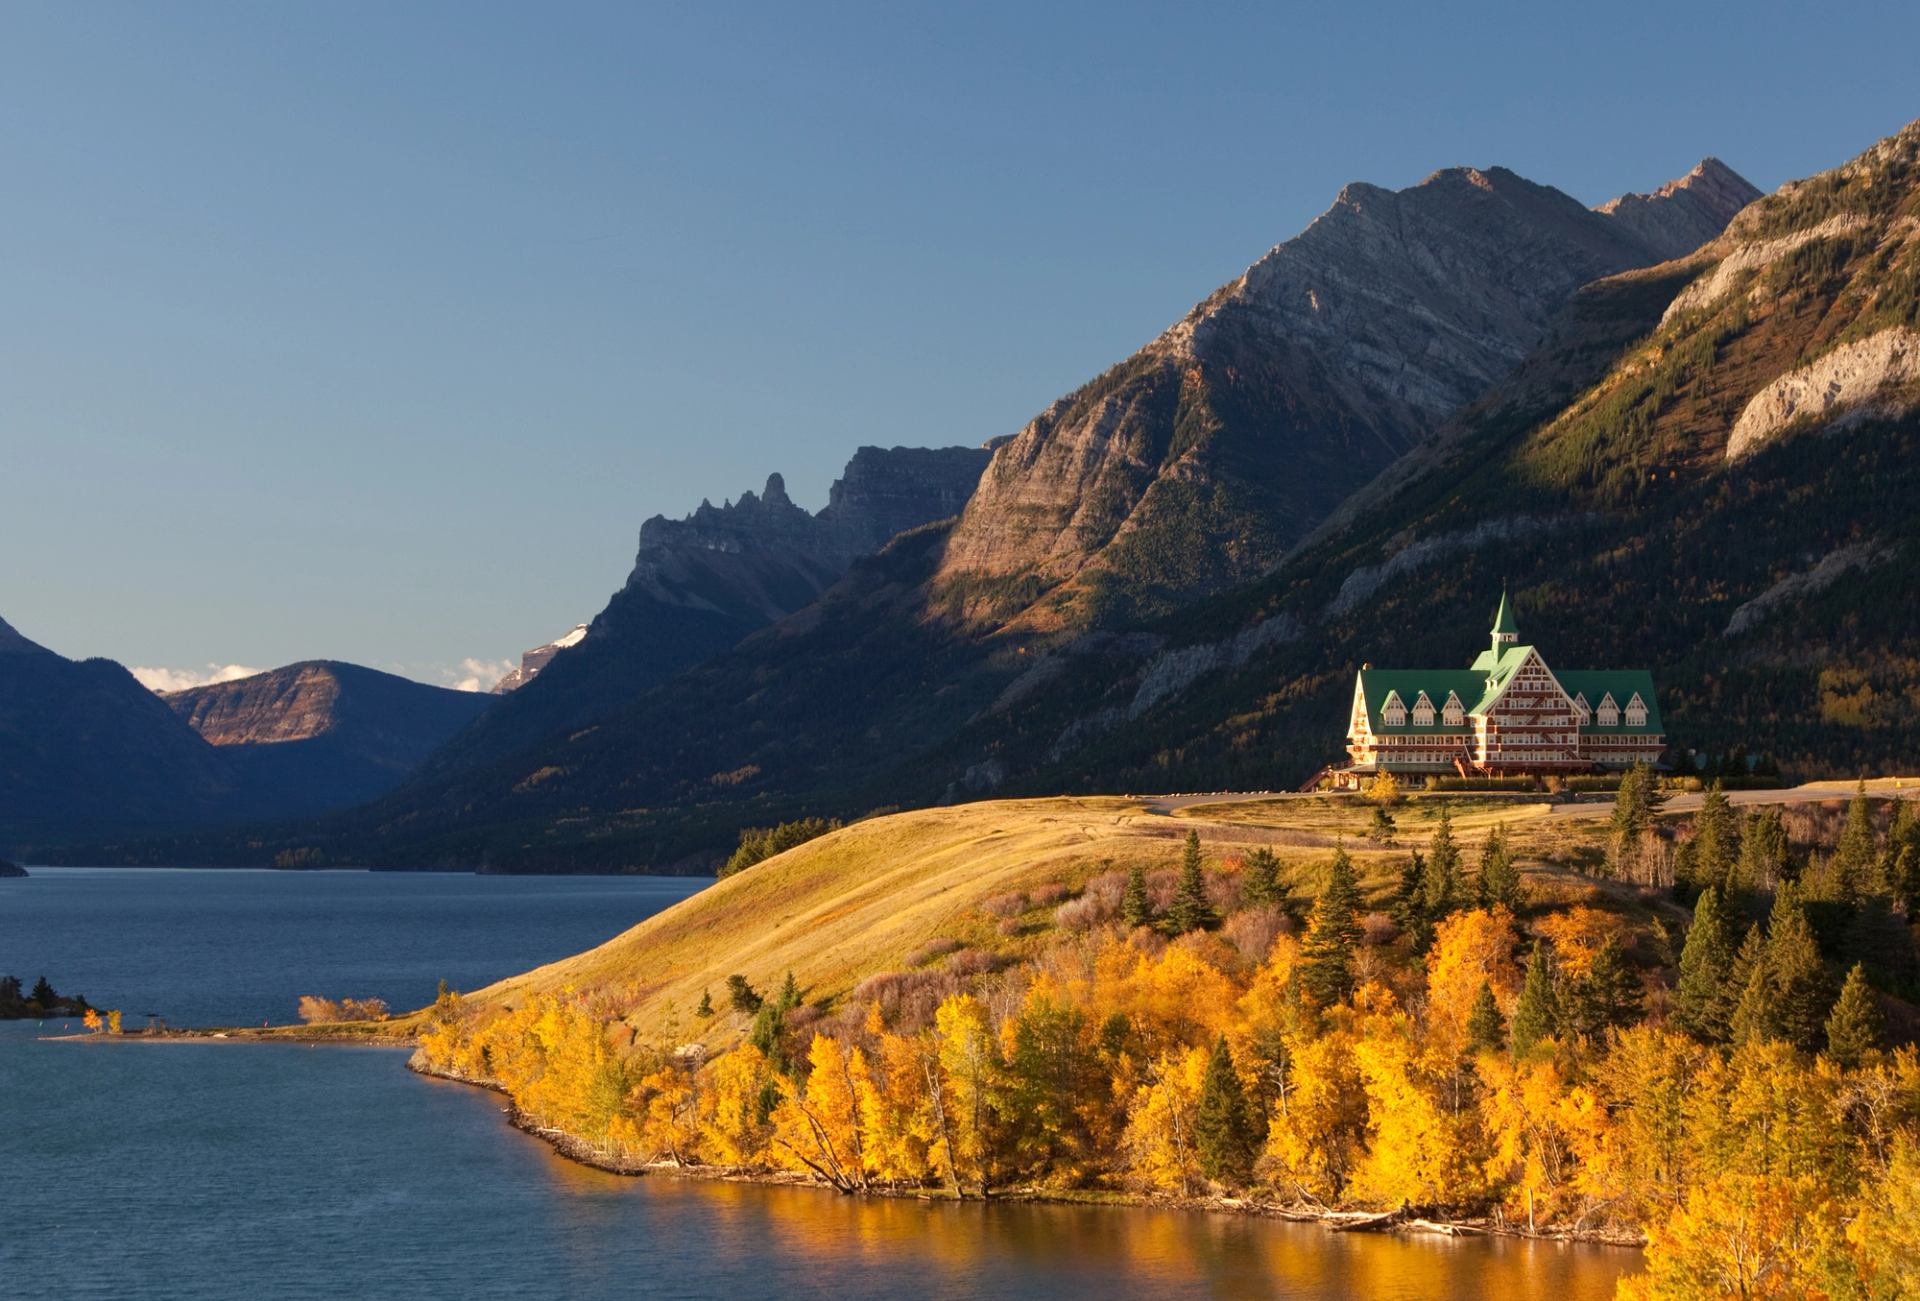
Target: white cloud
477, 674
159, 679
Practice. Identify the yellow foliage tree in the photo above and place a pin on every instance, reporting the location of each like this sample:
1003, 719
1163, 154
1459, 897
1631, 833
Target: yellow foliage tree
736, 1131
1470, 949
963, 1096
818, 1127
1745, 1236
1318, 1127
1160, 1143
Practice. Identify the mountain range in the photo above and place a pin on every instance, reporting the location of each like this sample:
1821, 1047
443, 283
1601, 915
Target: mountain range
1679, 427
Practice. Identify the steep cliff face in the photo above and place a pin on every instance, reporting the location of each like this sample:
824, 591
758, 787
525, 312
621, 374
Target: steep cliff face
1198, 461
702, 583
321, 735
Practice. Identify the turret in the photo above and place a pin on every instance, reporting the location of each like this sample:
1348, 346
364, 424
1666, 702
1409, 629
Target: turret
1505, 631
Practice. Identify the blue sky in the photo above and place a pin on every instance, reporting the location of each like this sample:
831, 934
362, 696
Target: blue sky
374, 331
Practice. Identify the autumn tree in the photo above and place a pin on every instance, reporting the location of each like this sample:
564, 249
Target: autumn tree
1855, 1028
1384, 789
968, 1062
819, 1125
1472, 951
1703, 1001
1052, 1091
1333, 935
1223, 1124
1536, 1015
1260, 882
1190, 910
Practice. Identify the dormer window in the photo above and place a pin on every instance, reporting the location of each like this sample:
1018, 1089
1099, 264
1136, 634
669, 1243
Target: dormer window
1636, 711
1423, 711
1454, 713
1394, 712
1582, 709
1608, 713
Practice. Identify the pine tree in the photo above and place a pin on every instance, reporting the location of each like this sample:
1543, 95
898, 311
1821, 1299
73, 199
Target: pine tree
1381, 829
1880, 940
705, 1009
1499, 874
1485, 1027
1755, 1018
1441, 890
789, 995
1136, 905
1856, 859
1536, 1017
1609, 995
1715, 842
42, 993
1333, 934
1222, 1124
1408, 906
1635, 806
1763, 852
1190, 910
1702, 1001
1801, 990
742, 996
1260, 880
1855, 1028
1905, 876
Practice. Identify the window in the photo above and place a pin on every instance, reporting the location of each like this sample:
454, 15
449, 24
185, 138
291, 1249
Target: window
1455, 714
1636, 711
1394, 712
1423, 711
1609, 713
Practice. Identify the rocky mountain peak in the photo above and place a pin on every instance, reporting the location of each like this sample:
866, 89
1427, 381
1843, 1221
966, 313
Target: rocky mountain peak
1685, 213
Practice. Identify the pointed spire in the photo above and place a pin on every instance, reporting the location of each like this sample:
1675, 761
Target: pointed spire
1505, 630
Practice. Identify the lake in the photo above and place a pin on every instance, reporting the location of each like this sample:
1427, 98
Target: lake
210, 1170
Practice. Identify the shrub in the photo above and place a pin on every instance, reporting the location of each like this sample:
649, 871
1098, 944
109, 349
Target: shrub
932, 949
1007, 905
1253, 930
1085, 913
1050, 894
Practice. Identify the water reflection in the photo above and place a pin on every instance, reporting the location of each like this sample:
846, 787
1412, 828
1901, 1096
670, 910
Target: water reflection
801, 1238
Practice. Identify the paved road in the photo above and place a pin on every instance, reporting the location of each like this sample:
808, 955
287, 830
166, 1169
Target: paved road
1594, 806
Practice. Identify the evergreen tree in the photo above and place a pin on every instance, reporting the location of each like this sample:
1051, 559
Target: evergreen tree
1855, 1027
43, 993
1715, 842
1879, 939
1536, 1017
1799, 978
1260, 882
1762, 864
1333, 934
1408, 906
1755, 1018
1136, 905
1485, 1026
1222, 1124
1382, 828
1499, 874
1635, 806
705, 1009
742, 996
1609, 995
1905, 876
1856, 859
789, 994
1702, 1000
1440, 890
1190, 910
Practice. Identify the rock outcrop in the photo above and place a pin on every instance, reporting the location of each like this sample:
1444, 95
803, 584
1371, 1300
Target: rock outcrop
1881, 371
1198, 461
531, 662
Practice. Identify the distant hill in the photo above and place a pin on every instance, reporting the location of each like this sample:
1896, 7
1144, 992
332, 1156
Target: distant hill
320, 734
84, 745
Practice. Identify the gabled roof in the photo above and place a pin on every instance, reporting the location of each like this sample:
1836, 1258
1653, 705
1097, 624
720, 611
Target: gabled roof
1623, 684
1377, 684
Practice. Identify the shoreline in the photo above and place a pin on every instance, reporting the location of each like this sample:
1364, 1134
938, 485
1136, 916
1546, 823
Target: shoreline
1402, 1221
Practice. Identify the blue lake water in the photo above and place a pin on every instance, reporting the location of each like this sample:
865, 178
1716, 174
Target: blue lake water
194, 1170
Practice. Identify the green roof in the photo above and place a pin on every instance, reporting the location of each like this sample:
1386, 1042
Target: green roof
1503, 617
1622, 684
1478, 686
1377, 684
